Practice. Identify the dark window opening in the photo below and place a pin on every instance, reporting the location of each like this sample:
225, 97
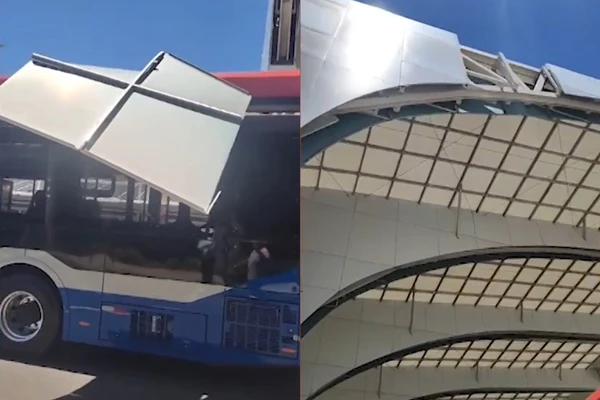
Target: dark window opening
260, 191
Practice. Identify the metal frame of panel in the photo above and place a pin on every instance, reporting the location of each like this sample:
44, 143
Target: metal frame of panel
553, 175
547, 279
507, 353
504, 394
481, 257
481, 351
524, 283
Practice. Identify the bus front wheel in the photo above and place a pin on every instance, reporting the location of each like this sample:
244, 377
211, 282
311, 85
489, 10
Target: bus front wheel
30, 315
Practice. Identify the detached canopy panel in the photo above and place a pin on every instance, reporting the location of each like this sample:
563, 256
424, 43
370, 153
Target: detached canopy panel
171, 125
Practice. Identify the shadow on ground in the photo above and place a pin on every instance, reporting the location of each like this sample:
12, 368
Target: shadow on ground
113, 375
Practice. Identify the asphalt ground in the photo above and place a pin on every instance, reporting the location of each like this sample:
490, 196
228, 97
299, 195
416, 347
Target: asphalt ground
75, 372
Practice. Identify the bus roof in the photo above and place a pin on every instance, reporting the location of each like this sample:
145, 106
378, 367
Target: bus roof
261, 84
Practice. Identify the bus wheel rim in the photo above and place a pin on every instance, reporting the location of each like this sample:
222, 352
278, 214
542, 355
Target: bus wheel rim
14, 331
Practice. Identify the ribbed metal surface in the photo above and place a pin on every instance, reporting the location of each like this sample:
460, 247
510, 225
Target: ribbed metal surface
255, 326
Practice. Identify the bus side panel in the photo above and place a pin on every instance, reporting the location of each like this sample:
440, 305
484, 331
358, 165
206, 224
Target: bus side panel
153, 330
168, 294
214, 329
81, 321
196, 330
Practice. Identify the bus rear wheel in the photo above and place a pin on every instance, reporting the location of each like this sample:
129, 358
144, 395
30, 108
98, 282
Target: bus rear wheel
30, 315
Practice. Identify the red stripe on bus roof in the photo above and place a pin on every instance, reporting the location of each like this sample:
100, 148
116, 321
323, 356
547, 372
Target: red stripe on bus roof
264, 84
594, 396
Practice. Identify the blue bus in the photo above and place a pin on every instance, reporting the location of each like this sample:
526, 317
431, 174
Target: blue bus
118, 241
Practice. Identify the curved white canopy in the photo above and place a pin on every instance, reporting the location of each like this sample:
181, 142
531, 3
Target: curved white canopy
470, 142
359, 58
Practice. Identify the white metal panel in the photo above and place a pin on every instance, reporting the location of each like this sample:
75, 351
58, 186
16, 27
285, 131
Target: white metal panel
575, 84
175, 150
171, 126
350, 50
183, 80
60, 106
126, 75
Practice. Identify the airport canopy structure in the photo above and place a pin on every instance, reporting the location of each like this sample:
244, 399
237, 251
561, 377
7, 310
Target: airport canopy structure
514, 140
451, 215
171, 112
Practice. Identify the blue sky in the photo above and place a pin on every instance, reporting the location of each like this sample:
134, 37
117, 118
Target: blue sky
216, 35
535, 32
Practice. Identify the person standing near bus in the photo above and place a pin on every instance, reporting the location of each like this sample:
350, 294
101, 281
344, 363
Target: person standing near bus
226, 238
260, 254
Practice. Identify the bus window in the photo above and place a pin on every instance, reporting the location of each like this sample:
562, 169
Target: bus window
106, 196
22, 175
17, 194
175, 212
260, 186
94, 186
82, 190
146, 243
6, 189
